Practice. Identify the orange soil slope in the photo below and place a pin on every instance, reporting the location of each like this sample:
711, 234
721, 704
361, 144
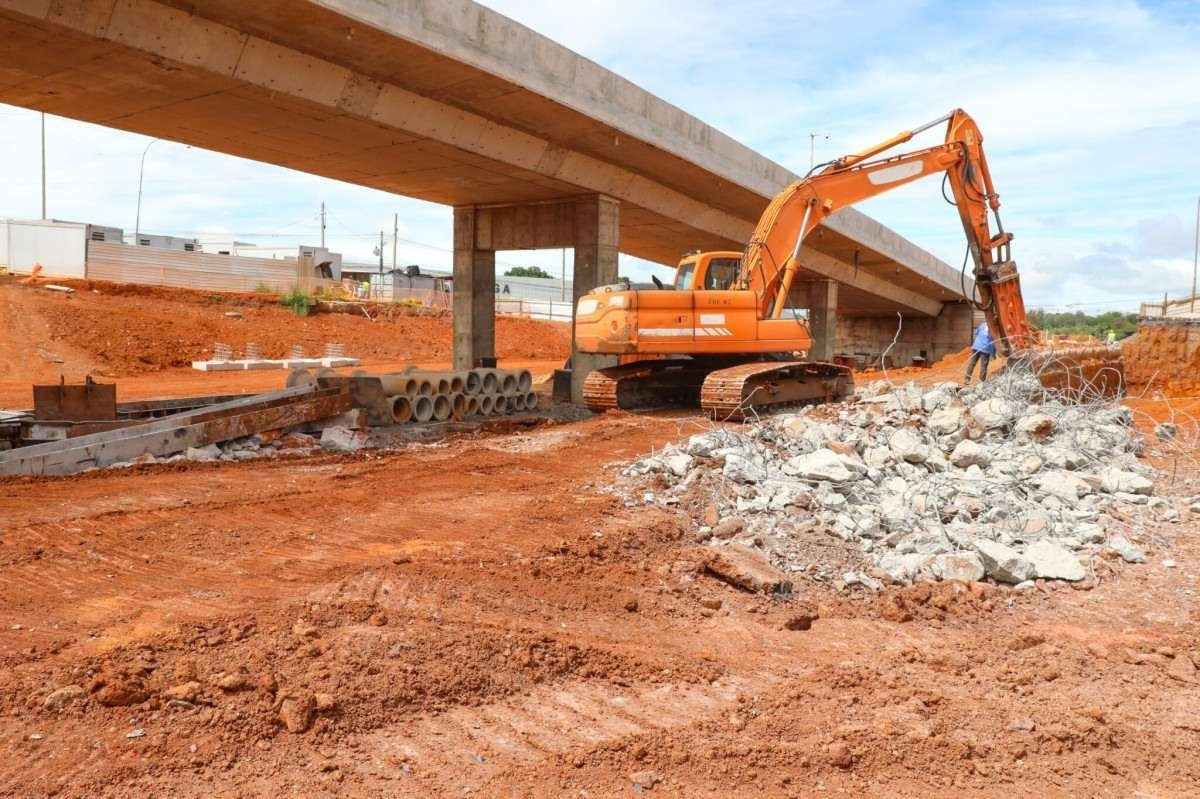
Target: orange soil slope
1166, 359
119, 330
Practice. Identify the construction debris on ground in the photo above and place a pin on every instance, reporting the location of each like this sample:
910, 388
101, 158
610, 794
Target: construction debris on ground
1003, 481
76, 428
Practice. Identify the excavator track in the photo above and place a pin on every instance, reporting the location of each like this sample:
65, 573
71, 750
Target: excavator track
726, 393
645, 384
736, 392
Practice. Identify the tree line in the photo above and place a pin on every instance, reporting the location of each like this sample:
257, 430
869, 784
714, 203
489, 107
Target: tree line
1079, 323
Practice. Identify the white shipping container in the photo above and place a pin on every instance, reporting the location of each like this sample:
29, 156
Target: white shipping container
60, 247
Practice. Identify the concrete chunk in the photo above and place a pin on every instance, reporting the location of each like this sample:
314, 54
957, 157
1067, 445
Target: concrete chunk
968, 453
823, 464
1053, 561
1118, 481
946, 421
1003, 563
343, 439
908, 446
1036, 425
743, 469
957, 566
209, 452
1129, 551
1063, 485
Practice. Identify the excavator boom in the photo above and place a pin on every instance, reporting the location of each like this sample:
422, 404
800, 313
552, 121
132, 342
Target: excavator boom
772, 256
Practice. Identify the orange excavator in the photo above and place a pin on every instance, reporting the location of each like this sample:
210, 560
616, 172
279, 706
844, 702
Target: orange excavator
723, 332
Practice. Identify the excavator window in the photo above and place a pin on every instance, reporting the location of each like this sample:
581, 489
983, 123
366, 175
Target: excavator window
683, 276
721, 273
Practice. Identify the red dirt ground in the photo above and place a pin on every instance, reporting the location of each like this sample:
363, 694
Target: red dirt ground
480, 617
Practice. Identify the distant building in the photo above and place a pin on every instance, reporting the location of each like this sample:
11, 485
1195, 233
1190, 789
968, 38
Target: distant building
547, 289
168, 242
245, 248
403, 282
321, 256
105, 233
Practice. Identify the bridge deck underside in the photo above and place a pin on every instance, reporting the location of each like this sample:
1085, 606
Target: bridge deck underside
64, 71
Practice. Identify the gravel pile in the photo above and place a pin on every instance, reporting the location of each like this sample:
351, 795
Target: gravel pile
999, 481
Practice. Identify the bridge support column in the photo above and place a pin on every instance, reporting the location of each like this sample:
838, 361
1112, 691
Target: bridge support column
597, 235
590, 224
474, 293
822, 319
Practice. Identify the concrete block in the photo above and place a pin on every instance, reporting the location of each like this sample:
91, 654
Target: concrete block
218, 366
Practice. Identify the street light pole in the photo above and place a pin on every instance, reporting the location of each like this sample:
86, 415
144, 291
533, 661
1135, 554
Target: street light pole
1196, 255
43, 165
137, 225
812, 148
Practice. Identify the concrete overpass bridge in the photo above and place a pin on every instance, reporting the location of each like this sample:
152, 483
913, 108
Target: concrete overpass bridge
533, 145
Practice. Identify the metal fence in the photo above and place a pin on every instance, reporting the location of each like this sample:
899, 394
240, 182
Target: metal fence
157, 266
1188, 306
536, 309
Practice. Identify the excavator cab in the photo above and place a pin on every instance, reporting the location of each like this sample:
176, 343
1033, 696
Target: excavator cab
708, 271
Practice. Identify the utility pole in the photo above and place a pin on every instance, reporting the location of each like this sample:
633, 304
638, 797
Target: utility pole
322, 225
43, 165
381, 252
395, 236
564, 275
812, 148
1196, 255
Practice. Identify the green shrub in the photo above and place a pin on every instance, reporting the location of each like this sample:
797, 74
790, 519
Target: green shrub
298, 301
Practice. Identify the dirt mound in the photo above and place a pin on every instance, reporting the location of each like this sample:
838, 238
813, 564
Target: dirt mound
951, 367
121, 330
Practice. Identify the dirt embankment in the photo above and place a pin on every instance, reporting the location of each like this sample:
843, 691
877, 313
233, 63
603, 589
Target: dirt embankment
1164, 359
118, 330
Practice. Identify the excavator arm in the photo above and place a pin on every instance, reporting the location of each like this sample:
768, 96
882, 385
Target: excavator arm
772, 257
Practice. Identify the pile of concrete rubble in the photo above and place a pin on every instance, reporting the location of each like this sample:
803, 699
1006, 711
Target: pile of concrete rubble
998, 481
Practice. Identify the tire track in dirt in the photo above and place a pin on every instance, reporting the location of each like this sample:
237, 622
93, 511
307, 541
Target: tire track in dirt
470, 747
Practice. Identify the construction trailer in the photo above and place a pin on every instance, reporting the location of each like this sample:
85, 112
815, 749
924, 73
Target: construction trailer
60, 248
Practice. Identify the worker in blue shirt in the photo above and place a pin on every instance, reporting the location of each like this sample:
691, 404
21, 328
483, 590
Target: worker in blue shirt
982, 350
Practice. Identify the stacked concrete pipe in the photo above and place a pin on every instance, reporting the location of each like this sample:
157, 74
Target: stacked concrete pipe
511, 391
421, 396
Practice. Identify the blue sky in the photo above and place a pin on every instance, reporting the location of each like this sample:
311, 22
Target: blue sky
1091, 112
